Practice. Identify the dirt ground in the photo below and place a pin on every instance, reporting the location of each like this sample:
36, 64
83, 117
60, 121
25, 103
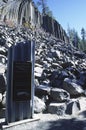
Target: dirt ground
54, 122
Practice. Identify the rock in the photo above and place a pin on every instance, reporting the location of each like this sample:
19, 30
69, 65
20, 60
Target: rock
3, 51
56, 53
2, 83
40, 51
3, 59
38, 71
0, 97
36, 82
59, 95
72, 87
46, 82
54, 75
38, 65
85, 92
57, 108
49, 60
42, 90
2, 41
56, 83
4, 99
2, 113
73, 107
2, 68
66, 64
82, 114
82, 79
56, 65
58, 78
82, 102
39, 105
63, 75
79, 54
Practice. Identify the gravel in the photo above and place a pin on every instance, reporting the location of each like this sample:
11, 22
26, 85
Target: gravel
53, 122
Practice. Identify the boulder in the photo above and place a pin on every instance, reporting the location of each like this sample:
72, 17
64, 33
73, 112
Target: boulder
72, 87
58, 78
73, 107
57, 108
59, 95
39, 105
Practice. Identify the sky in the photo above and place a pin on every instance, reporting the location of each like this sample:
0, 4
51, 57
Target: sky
70, 13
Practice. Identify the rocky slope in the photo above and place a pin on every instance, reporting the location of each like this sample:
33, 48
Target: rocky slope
60, 70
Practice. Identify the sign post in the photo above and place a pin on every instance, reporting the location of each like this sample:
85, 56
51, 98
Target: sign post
20, 82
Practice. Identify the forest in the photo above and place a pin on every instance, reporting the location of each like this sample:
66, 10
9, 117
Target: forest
76, 40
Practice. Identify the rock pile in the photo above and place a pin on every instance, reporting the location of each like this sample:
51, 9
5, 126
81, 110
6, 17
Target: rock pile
60, 69
60, 75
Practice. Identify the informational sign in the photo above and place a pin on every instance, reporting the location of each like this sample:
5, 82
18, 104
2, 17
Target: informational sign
22, 81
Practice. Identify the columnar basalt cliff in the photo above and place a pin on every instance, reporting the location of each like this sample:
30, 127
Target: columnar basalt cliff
31, 15
60, 69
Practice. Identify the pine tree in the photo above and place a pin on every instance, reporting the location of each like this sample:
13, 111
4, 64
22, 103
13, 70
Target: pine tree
83, 34
45, 9
83, 41
73, 37
43, 5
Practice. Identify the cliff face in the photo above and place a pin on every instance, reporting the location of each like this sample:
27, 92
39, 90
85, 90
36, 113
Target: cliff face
17, 13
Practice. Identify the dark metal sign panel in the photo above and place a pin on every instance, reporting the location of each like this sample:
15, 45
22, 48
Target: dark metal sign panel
22, 72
